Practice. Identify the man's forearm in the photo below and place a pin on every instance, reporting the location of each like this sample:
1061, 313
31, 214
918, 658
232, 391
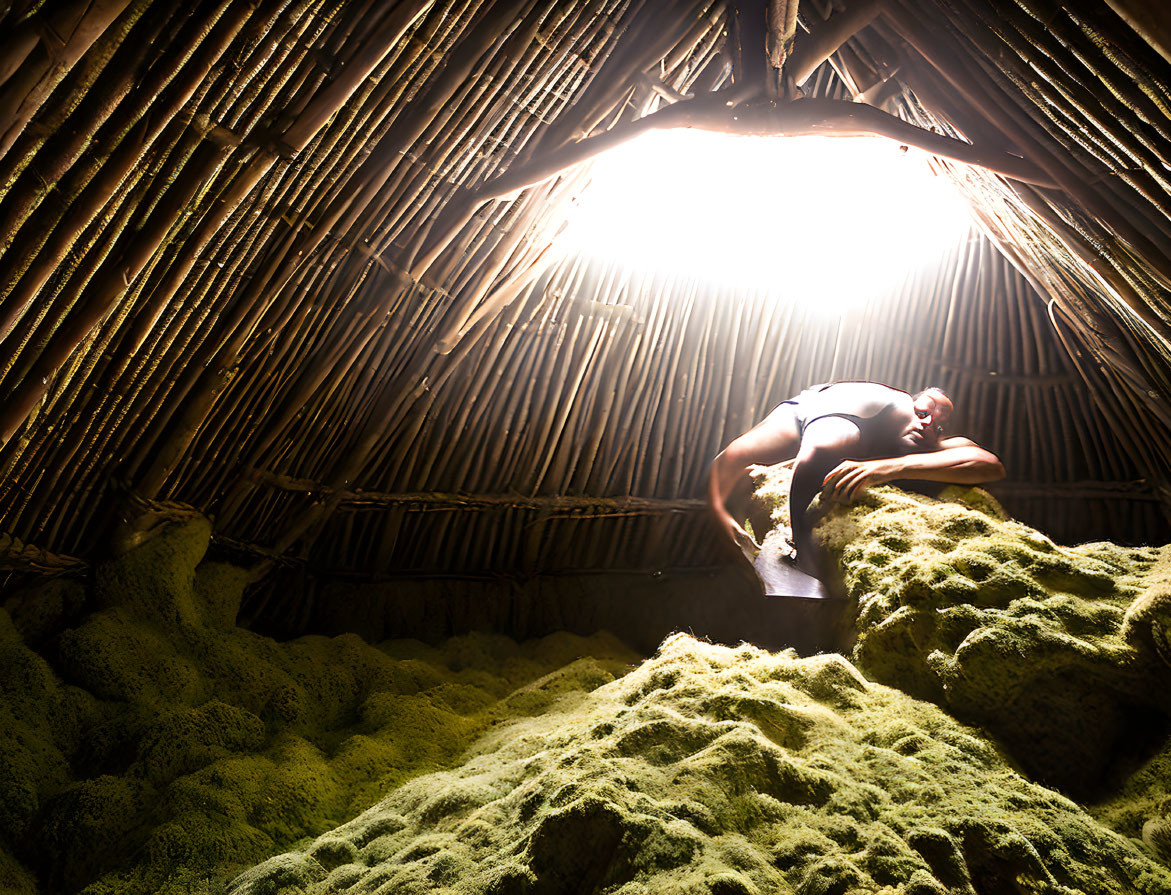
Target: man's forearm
959, 466
964, 464
719, 487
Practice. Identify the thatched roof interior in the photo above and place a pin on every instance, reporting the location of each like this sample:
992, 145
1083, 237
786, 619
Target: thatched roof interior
271, 260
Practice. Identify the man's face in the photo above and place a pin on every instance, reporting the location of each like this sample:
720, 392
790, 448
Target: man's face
932, 409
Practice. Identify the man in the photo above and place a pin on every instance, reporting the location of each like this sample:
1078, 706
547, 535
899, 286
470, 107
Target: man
848, 436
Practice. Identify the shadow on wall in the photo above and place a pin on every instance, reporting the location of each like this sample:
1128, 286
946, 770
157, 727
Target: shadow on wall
723, 605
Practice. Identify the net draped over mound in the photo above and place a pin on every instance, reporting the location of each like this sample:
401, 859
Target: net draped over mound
711, 769
1049, 648
1061, 653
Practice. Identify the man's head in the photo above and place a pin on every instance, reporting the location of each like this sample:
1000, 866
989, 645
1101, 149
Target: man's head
932, 409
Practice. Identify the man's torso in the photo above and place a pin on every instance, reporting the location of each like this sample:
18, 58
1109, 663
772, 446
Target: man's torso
880, 412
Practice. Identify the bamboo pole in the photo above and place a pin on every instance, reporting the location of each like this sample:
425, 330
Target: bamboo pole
938, 47
109, 283
605, 403
340, 213
74, 27
819, 45
211, 41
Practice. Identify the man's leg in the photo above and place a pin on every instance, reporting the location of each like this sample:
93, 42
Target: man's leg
774, 439
826, 443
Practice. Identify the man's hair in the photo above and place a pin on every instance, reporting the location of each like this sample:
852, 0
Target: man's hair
933, 388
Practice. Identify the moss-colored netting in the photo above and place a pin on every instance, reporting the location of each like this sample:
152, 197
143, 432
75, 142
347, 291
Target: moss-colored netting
1062, 653
1057, 651
156, 747
711, 769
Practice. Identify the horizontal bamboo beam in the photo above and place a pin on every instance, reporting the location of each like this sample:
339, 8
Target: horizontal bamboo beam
1139, 490
433, 501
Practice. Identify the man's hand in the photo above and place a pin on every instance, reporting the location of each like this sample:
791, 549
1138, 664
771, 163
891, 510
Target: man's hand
744, 541
848, 479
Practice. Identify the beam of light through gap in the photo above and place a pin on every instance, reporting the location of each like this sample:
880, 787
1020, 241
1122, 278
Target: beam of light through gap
829, 221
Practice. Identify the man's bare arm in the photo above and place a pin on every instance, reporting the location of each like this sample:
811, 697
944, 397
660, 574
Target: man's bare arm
773, 439
827, 441
959, 461
725, 472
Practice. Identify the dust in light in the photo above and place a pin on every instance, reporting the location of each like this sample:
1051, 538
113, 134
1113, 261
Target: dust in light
834, 220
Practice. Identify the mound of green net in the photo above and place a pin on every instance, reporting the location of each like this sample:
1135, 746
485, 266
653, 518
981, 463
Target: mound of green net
1060, 652
153, 746
718, 770
157, 747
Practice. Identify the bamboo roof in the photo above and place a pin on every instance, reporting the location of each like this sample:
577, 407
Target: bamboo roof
293, 264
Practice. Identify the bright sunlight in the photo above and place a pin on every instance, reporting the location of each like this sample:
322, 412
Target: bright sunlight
831, 220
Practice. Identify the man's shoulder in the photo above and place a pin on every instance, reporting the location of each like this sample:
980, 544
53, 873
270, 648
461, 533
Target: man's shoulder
870, 391
953, 441
859, 383
870, 400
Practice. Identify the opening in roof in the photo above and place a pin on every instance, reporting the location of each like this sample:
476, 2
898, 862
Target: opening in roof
831, 221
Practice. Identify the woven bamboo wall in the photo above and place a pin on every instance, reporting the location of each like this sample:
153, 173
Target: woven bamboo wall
628, 384
233, 237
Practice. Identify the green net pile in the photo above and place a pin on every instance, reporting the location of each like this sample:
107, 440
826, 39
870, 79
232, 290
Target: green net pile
718, 770
157, 747
151, 745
